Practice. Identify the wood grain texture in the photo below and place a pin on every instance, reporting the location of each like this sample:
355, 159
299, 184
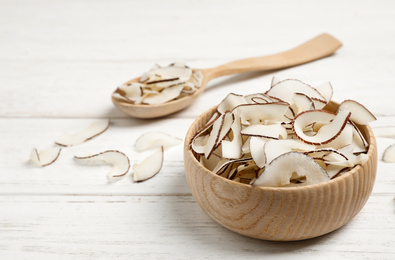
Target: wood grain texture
280, 214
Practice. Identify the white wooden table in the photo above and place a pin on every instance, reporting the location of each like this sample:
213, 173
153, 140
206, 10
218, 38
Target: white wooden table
59, 63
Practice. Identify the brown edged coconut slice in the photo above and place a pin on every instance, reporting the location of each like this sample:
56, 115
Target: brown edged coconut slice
275, 148
285, 89
288, 167
255, 113
274, 131
257, 150
118, 160
301, 102
359, 113
155, 139
149, 167
164, 96
44, 157
326, 90
220, 128
93, 130
327, 133
231, 101
132, 91
232, 149
389, 154
176, 71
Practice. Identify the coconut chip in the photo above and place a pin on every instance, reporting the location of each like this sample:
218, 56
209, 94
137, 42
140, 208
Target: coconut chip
44, 157
119, 161
93, 130
149, 167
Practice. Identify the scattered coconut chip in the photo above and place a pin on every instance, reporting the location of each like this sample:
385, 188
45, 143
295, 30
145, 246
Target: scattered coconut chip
44, 157
384, 131
153, 140
289, 168
119, 161
389, 154
149, 167
93, 130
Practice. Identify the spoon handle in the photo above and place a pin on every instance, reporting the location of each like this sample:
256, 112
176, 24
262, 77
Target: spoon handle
321, 46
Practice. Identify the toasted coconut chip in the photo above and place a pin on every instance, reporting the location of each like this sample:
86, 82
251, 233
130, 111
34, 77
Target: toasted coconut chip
326, 90
166, 95
93, 130
285, 89
153, 140
149, 167
274, 148
275, 131
290, 166
389, 154
232, 149
326, 133
255, 113
301, 102
212, 162
230, 102
119, 161
257, 150
44, 157
359, 114
219, 130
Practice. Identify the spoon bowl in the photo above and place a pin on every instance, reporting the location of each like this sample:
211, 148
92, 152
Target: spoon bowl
319, 47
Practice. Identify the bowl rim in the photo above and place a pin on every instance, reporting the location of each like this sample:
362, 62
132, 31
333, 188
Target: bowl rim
371, 140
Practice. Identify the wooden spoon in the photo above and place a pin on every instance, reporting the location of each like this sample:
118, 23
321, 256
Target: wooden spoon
316, 48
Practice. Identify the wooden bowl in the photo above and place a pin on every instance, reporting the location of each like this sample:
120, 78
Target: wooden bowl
281, 214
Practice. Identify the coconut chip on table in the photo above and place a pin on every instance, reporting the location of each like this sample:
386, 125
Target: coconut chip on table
283, 137
160, 85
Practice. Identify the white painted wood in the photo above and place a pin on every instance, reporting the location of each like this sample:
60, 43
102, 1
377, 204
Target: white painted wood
59, 63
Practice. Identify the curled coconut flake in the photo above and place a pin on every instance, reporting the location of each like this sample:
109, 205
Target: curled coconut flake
285, 89
327, 133
290, 169
44, 157
359, 113
119, 161
149, 167
93, 130
153, 140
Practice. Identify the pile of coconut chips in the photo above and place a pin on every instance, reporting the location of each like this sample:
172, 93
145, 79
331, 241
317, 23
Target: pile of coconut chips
283, 137
161, 85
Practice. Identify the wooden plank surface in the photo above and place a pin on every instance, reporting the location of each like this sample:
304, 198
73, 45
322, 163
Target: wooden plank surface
59, 63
